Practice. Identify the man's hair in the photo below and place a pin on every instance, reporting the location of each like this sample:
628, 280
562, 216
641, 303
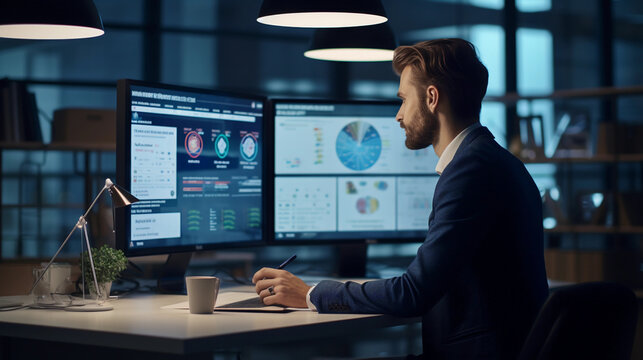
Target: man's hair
452, 65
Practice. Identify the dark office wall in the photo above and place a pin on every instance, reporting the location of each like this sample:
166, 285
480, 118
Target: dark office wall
219, 44
575, 26
628, 52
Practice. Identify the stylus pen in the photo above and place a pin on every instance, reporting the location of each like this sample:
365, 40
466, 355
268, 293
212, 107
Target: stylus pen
288, 261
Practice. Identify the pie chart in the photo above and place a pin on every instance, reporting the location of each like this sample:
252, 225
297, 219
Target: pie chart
358, 145
367, 205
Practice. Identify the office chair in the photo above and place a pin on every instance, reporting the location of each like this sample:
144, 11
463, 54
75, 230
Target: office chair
584, 321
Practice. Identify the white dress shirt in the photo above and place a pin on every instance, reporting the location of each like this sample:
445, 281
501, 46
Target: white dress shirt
452, 148
443, 162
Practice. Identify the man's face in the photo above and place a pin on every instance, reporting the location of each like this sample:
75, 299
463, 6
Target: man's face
420, 125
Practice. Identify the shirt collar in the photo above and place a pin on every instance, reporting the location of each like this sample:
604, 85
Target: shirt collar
452, 148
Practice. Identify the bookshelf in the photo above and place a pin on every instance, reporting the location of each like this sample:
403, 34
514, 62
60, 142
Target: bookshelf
607, 247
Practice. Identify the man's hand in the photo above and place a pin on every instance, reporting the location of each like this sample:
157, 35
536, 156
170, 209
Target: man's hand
287, 289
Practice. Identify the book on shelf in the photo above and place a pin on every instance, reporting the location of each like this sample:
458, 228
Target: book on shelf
572, 138
33, 132
619, 139
630, 208
19, 119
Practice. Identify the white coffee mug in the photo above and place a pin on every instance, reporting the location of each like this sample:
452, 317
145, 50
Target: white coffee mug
202, 293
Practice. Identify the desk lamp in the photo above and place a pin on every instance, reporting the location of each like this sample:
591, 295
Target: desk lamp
120, 198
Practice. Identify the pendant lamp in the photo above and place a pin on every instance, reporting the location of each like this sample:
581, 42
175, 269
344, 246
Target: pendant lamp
321, 13
356, 44
49, 19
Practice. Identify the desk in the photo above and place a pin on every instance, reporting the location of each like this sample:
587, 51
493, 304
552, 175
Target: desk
138, 324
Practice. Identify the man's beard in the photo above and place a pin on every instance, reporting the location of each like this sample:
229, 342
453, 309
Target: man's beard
425, 133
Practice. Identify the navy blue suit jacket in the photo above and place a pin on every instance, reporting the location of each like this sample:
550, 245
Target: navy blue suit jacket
478, 280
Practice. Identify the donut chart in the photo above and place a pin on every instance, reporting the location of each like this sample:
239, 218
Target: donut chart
358, 145
249, 147
193, 144
222, 146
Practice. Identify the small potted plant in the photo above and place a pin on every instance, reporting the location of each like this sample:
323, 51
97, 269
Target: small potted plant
109, 263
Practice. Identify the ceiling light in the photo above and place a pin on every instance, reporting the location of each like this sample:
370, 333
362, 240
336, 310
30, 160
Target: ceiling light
321, 13
49, 20
358, 44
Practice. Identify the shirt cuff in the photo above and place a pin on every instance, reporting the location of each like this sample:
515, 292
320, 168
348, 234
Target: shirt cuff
311, 306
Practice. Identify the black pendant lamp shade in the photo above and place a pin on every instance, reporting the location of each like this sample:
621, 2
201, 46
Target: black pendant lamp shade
49, 19
321, 13
365, 43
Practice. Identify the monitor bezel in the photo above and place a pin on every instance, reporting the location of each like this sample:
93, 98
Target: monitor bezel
270, 188
123, 143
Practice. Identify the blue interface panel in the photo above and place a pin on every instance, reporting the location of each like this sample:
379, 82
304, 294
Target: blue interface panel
195, 162
342, 171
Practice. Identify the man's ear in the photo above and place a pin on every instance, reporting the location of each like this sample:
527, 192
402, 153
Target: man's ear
432, 98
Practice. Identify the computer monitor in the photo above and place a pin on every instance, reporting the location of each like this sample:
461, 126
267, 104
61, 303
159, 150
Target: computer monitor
342, 173
194, 159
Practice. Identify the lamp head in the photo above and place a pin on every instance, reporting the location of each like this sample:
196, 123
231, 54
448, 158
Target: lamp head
120, 197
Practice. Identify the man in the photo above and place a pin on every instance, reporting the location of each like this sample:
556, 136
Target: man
478, 280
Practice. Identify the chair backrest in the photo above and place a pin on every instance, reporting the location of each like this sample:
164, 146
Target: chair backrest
585, 321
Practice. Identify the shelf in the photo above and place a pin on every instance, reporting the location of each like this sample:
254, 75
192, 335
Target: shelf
631, 229
601, 158
596, 229
30, 145
49, 175
511, 98
43, 206
630, 157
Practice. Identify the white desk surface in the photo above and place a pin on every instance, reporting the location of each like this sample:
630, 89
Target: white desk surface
138, 323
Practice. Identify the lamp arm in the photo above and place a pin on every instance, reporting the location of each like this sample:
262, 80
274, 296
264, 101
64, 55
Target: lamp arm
81, 222
95, 199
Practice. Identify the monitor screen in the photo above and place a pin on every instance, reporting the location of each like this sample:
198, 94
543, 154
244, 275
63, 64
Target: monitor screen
194, 159
342, 172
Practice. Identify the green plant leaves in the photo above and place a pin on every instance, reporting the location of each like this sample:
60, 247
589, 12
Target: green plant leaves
109, 263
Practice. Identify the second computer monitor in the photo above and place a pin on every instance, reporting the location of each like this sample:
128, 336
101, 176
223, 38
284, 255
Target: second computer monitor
342, 172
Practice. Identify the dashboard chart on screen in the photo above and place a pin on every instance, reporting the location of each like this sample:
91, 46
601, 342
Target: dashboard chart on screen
342, 171
194, 160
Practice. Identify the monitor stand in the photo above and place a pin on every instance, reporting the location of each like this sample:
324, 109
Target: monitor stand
172, 279
351, 260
